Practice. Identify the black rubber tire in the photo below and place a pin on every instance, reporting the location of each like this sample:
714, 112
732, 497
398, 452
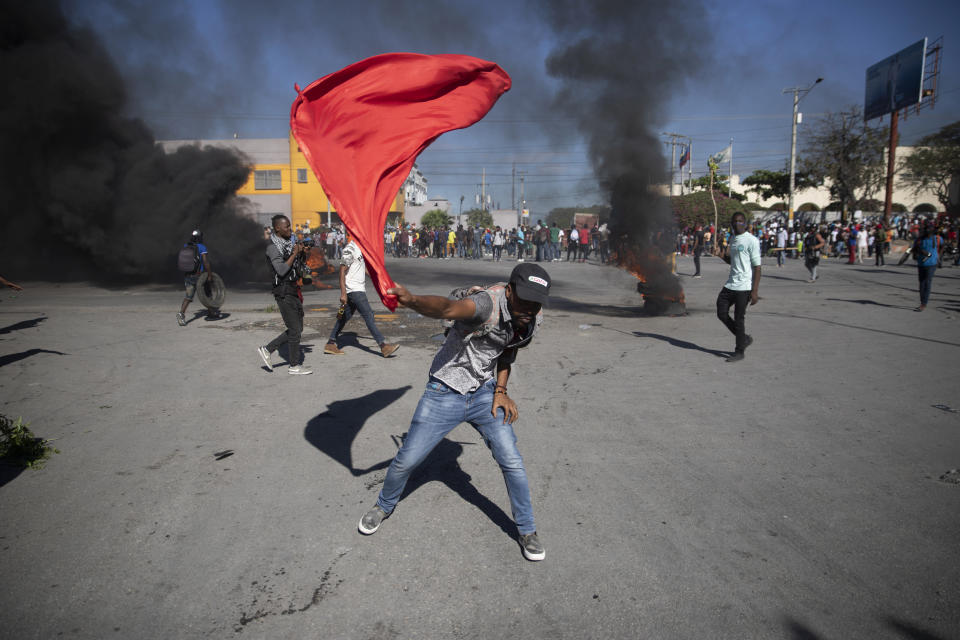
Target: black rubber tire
211, 292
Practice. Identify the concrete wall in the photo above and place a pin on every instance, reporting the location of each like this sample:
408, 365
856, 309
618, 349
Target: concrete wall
413, 213
902, 193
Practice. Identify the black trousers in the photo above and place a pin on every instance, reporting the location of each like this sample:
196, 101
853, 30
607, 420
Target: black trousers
696, 261
739, 300
291, 310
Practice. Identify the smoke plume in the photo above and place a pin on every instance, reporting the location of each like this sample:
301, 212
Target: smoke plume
618, 64
87, 192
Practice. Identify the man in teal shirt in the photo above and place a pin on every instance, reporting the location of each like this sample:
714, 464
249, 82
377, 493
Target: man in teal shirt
743, 283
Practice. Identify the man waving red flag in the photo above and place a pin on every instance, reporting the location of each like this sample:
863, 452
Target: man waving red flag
362, 127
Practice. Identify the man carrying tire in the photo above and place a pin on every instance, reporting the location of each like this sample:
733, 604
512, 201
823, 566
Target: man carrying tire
201, 264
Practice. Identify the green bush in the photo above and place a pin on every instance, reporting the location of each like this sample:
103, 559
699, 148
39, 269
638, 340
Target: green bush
19, 446
924, 207
696, 208
808, 206
435, 219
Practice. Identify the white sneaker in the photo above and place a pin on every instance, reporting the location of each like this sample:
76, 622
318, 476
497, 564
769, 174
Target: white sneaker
265, 355
300, 370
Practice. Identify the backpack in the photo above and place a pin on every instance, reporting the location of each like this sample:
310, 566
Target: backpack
188, 259
490, 322
494, 318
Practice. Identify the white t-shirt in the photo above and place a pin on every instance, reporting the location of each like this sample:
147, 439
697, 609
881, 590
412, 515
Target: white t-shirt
356, 276
744, 255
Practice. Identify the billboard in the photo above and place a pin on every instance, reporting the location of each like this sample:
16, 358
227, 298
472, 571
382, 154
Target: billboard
895, 82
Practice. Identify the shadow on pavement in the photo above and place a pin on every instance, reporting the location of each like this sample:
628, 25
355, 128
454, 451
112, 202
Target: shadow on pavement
442, 466
350, 339
8, 472
911, 631
557, 303
682, 344
334, 431
10, 358
798, 630
872, 302
853, 326
24, 324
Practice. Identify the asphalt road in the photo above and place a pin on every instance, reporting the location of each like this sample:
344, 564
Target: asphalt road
796, 494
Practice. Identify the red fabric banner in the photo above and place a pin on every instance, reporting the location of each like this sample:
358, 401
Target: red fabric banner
362, 127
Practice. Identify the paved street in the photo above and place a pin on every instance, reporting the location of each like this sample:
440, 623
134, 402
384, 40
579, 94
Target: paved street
796, 494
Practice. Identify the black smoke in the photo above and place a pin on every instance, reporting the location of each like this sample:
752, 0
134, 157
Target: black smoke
87, 192
618, 64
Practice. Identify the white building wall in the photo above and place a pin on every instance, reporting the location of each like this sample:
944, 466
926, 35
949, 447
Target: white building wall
902, 193
415, 187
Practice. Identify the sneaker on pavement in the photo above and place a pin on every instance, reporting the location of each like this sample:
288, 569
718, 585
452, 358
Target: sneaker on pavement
371, 520
300, 370
532, 549
388, 349
333, 349
181, 320
265, 355
736, 357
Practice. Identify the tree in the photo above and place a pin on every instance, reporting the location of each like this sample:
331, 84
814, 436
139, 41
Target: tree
698, 208
847, 154
935, 165
480, 217
776, 184
720, 183
435, 218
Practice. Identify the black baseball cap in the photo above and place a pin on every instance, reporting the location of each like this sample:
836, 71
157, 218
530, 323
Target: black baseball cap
531, 282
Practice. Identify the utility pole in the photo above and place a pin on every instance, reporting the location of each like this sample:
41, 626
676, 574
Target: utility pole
674, 137
482, 187
522, 202
730, 172
513, 184
797, 91
891, 167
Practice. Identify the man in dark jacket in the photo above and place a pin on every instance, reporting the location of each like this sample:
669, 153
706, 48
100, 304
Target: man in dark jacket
285, 257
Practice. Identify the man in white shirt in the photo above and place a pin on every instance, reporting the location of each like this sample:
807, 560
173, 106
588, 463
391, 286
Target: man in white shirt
353, 297
743, 284
781, 246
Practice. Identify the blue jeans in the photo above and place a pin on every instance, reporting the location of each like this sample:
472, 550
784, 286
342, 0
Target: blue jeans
357, 301
439, 411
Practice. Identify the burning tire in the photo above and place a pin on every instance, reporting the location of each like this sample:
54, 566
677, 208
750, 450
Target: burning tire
211, 292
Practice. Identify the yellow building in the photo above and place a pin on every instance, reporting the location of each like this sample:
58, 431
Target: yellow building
282, 182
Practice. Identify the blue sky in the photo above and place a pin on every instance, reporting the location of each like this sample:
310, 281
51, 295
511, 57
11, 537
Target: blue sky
212, 68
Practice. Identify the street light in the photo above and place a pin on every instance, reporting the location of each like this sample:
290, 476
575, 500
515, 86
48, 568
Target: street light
798, 93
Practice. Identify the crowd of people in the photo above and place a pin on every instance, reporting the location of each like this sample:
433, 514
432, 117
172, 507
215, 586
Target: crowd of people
854, 241
539, 242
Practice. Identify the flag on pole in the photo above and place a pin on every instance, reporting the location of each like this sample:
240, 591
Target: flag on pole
361, 128
685, 156
723, 156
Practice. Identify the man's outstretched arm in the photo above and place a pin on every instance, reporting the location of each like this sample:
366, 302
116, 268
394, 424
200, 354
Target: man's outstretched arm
435, 306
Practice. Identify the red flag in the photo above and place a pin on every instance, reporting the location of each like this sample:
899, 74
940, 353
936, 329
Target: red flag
362, 127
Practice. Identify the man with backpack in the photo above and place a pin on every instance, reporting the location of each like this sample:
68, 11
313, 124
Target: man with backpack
193, 261
468, 383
